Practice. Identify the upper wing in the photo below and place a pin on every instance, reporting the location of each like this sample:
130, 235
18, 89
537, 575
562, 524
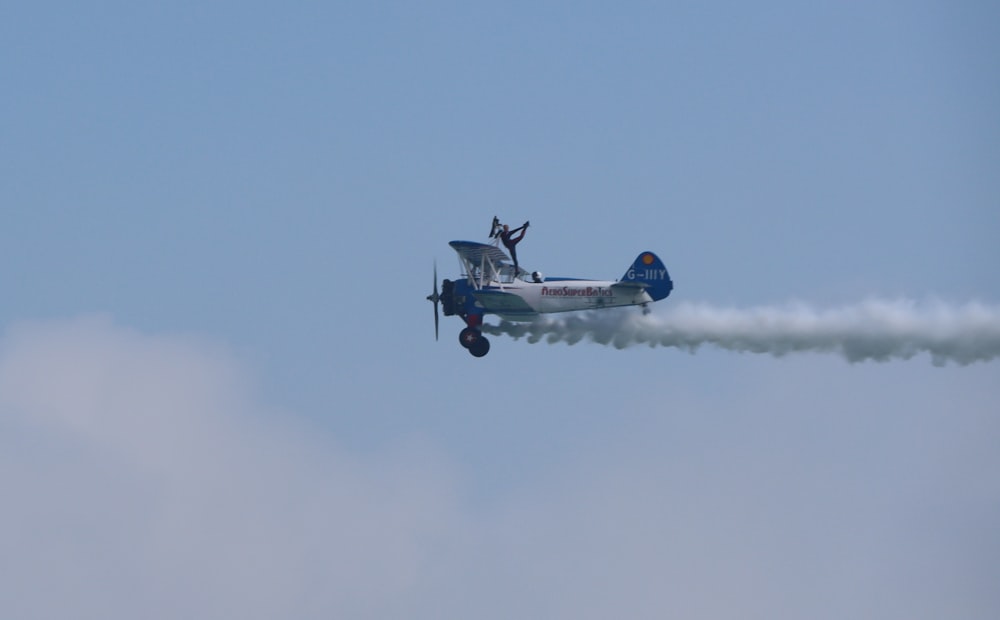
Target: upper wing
475, 253
483, 262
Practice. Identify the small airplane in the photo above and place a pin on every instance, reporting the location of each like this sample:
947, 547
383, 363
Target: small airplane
491, 285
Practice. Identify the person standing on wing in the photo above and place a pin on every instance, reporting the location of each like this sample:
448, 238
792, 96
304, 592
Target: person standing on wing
509, 241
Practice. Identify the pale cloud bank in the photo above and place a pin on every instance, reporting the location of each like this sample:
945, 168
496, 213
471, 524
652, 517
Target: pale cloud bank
141, 478
141, 481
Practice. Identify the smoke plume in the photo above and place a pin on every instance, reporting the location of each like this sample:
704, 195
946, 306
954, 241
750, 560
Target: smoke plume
872, 330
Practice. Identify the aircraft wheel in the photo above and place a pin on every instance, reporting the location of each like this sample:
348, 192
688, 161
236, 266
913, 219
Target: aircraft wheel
480, 347
468, 336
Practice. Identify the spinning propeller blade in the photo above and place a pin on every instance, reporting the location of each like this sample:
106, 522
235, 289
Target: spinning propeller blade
434, 298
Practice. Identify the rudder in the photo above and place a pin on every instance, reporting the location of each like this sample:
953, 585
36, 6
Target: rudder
650, 270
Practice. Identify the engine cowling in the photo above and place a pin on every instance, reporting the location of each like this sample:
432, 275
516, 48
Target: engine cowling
448, 298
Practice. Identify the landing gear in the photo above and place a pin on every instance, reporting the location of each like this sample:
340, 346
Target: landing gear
473, 340
469, 335
480, 347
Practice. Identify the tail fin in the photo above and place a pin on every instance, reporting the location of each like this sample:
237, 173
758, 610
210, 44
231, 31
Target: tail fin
648, 269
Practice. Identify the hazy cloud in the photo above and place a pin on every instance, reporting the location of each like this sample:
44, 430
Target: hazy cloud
141, 479
142, 482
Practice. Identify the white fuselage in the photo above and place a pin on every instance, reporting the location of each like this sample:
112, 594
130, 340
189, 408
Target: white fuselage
570, 295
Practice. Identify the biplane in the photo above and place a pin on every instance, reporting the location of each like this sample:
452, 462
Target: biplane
489, 284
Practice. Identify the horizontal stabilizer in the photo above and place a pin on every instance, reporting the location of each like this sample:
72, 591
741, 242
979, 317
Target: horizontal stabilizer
630, 285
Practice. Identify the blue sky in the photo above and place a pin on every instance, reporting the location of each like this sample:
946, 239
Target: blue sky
219, 226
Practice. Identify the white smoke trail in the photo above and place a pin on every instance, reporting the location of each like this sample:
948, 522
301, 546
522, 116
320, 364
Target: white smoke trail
872, 330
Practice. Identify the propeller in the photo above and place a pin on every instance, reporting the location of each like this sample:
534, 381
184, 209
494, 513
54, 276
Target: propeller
435, 298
